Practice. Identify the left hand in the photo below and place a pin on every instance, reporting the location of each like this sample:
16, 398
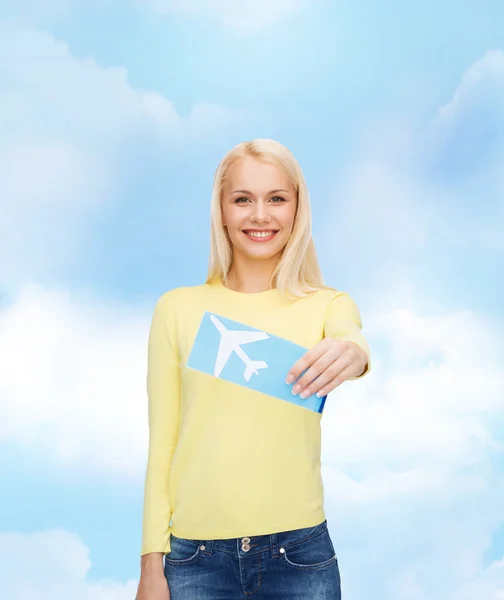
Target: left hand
331, 362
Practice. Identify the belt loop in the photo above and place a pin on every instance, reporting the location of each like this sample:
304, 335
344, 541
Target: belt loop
273, 543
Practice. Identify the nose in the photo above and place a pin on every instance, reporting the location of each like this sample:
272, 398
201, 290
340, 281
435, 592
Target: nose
260, 213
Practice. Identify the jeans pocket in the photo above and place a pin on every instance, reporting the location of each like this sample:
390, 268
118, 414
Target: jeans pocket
315, 552
182, 551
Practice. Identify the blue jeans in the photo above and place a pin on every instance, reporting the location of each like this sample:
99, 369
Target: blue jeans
292, 565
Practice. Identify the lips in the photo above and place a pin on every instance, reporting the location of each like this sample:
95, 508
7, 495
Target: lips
260, 235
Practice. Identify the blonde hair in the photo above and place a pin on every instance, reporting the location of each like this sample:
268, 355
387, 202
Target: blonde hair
297, 273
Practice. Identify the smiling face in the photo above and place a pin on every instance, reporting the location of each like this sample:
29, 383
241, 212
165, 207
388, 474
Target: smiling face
258, 209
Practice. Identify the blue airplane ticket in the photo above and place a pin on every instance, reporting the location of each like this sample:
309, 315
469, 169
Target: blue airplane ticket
249, 357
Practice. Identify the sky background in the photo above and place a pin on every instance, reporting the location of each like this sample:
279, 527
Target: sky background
113, 118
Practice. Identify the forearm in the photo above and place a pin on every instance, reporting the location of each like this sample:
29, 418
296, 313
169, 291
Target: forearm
151, 564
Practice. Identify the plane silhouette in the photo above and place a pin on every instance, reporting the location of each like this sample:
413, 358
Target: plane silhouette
231, 341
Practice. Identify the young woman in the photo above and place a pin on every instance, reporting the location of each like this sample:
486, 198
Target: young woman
238, 372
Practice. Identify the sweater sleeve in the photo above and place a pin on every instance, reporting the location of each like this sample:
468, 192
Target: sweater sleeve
343, 322
163, 385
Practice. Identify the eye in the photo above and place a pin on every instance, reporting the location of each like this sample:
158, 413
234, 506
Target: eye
241, 200
278, 199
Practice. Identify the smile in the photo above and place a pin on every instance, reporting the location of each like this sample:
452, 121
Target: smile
260, 236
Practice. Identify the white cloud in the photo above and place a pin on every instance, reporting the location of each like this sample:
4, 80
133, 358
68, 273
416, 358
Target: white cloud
68, 94
413, 491
489, 584
412, 460
65, 122
468, 140
240, 15
73, 380
52, 565
483, 82
412, 192
427, 411
413, 454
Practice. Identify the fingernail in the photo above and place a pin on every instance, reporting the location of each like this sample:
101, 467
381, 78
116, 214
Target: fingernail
304, 395
290, 379
295, 389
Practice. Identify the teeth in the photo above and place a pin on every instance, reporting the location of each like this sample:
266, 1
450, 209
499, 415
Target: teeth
259, 233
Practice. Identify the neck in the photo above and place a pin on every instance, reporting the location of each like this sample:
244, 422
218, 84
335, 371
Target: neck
251, 276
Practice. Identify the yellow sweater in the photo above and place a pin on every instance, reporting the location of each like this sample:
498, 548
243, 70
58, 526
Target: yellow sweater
232, 453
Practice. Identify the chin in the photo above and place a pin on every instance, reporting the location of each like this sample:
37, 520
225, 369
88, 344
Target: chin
265, 254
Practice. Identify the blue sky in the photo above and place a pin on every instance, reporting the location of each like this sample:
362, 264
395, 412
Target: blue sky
113, 118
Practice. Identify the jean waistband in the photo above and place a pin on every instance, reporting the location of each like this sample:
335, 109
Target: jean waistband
251, 545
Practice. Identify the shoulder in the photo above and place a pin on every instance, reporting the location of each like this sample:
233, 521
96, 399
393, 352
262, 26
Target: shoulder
335, 303
171, 306
180, 294
328, 296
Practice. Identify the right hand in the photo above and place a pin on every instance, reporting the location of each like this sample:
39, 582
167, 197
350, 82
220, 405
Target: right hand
152, 584
153, 588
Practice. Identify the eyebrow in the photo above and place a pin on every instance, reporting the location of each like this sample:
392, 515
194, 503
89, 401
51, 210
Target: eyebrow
251, 194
